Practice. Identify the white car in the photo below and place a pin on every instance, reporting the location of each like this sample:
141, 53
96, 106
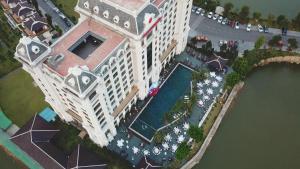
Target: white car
248, 29
194, 9
260, 28
225, 20
202, 12
215, 17
220, 19
198, 12
237, 25
209, 15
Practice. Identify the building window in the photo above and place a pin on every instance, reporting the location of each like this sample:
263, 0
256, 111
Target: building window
149, 56
92, 95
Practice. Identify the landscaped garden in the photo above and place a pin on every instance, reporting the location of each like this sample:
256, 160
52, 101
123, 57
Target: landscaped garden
20, 99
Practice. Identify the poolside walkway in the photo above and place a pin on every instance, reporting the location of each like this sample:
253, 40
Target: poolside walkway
196, 159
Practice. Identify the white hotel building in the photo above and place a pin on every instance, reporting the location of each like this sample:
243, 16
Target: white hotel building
93, 74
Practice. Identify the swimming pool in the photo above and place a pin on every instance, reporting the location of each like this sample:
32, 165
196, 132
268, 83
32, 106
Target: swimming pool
151, 117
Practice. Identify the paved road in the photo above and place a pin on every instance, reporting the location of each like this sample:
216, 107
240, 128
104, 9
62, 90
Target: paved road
46, 6
201, 25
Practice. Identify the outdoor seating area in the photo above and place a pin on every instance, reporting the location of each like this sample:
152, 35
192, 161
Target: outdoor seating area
134, 148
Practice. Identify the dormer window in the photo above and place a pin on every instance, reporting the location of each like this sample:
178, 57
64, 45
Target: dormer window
86, 80
35, 49
106, 14
86, 5
127, 24
116, 19
96, 9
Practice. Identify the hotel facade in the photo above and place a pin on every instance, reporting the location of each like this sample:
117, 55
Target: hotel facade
96, 72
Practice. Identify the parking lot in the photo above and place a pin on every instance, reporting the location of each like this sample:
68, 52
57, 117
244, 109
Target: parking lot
202, 25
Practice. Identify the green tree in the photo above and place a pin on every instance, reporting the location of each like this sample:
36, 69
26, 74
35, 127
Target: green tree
227, 9
296, 21
195, 133
271, 20
244, 14
274, 41
260, 42
232, 79
257, 16
241, 66
159, 137
199, 75
293, 43
49, 20
182, 151
282, 21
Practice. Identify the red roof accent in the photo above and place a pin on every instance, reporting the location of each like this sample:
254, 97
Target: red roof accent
153, 26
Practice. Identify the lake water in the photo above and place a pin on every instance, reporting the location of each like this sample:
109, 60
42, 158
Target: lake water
261, 131
289, 8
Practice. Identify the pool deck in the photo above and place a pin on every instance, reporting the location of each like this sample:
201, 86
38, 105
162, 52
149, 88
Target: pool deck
133, 141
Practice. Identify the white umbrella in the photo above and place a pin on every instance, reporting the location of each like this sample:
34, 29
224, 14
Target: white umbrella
206, 97
180, 139
219, 78
200, 92
212, 74
135, 150
127, 147
165, 146
186, 126
168, 137
176, 130
207, 82
156, 151
209, 91
146, 152
215, 84
174, 148
199, 84
200, 103
120, 143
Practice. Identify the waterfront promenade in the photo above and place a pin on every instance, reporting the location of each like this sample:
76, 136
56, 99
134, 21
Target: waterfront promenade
196, 159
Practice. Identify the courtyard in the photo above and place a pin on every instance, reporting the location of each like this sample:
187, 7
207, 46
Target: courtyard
136, 134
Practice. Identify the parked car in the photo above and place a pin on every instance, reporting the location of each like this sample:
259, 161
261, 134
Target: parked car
215, 17
225, 21
209, 15
67, 22
220, 19
266, 29
260, 28
194, 9
248, 29
198, 12
237, 25
202, 12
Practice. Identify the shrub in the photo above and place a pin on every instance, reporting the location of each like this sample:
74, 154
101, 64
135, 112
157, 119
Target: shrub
182, 151
196, 133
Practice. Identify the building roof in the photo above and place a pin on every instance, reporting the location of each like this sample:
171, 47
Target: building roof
80, 79
134, 21
31, 49
82, 158
159, 3
130, 4
35, 139
22, 9
35, 23
111, 42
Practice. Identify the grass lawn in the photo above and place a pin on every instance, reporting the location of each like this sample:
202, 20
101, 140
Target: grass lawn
67, 7
211, 118
19, 99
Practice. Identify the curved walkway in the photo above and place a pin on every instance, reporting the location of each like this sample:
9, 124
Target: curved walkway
280, 59
196, 159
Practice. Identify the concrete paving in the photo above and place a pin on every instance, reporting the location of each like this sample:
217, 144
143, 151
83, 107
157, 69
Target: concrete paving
47, 7
201, 25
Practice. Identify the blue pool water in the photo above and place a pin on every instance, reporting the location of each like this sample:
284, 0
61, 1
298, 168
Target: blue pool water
152, 117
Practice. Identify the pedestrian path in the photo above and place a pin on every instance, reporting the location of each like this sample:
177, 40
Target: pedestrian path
17, 152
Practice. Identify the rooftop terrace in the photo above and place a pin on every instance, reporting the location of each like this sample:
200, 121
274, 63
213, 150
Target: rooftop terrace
88, 44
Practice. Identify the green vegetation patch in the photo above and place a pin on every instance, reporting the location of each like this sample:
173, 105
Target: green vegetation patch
67, 7
19, 98
9, 39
